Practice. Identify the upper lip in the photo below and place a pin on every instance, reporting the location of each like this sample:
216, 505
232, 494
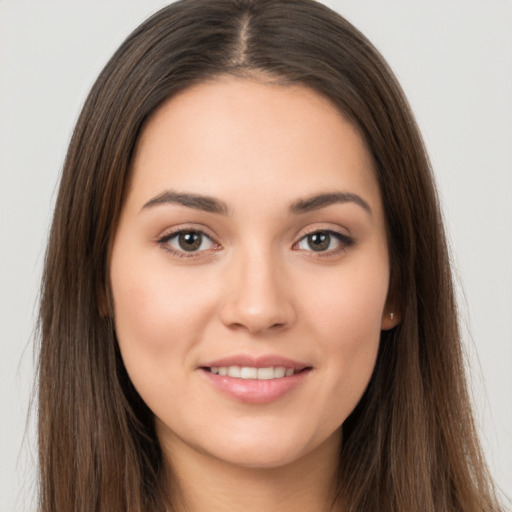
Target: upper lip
264, 361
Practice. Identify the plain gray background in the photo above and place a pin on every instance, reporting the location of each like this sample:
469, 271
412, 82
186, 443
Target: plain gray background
454, 60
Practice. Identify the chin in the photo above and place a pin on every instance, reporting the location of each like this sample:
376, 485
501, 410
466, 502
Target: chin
267, 450
258, 457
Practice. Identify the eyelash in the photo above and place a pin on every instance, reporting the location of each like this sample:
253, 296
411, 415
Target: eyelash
345, 242
164, 242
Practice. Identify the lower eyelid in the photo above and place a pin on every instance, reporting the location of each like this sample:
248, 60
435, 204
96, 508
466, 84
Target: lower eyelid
164, 240
205, 240
343, 239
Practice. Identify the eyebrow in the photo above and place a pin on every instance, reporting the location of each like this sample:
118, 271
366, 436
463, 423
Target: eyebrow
196, 201
216, 206
323, 200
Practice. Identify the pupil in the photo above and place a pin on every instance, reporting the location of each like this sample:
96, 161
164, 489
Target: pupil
319, 241
189, 241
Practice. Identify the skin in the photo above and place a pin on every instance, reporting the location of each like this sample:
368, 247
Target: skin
254, 287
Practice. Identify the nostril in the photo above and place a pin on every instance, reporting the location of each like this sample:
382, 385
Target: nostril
257, 304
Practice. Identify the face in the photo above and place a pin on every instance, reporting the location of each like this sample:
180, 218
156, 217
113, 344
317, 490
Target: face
250, 272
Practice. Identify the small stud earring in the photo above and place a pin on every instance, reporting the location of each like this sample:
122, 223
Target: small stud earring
391, 315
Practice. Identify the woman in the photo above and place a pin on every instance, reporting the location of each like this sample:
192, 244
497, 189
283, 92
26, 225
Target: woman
247, 300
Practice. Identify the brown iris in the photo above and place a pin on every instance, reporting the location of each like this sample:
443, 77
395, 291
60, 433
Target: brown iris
190, 240
319, 241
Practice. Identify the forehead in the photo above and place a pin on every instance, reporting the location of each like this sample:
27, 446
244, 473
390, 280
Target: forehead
239, 136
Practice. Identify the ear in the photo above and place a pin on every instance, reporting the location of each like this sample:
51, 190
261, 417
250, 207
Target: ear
392, 314
102, 305
104, 302
390, 318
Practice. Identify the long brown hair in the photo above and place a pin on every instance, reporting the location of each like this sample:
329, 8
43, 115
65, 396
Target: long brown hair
410, 444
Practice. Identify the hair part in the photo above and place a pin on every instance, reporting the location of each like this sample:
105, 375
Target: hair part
410, 444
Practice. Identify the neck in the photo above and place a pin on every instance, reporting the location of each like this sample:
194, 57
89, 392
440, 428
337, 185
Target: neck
199, 483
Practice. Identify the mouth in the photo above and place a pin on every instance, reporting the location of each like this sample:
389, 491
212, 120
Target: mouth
251, 372
255, 380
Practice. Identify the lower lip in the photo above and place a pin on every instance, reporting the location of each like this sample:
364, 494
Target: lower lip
255, 391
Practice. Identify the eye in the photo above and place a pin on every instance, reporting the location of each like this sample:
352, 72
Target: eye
187, 241
324, 241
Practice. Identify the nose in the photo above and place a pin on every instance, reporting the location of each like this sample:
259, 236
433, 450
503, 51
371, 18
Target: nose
258, 298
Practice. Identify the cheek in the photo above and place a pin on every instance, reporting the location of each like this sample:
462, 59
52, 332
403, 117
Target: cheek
153, 300
347, 305
159, 315
344, 318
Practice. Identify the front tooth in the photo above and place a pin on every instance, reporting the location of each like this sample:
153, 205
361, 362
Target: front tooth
246, 372
265, 373
234, 371
279, 372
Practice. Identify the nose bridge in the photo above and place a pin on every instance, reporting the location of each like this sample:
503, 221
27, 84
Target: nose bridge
258, 299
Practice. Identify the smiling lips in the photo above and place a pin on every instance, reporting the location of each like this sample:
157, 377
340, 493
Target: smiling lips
248, 372
255, 381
